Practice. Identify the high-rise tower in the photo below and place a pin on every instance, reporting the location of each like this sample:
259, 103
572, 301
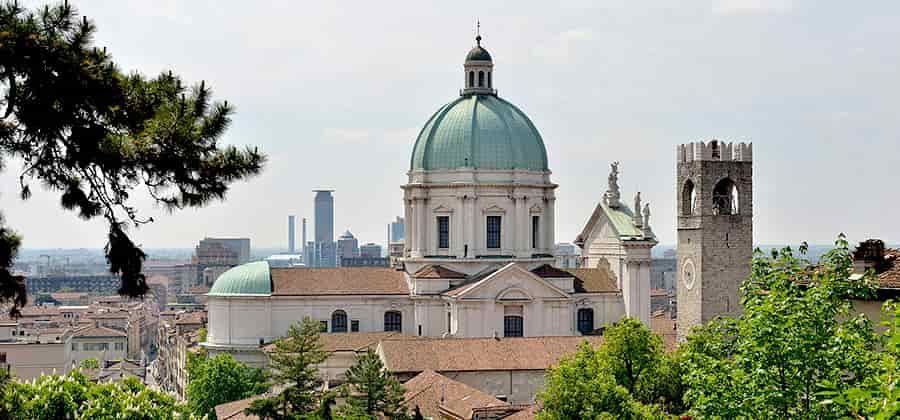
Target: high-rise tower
324, 236
291, 231
715, 229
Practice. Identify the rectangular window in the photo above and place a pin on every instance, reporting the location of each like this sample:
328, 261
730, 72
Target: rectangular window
493, 231
535, 230
120, 346
354, 325
3, 357
443, 225
74, 346
513, 326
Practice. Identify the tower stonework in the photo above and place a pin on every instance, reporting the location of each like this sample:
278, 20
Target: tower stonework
715, 229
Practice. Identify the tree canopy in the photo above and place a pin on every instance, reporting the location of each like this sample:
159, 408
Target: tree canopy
797, 332
221, 379
73, 396
292, 366
82, 127
371, 391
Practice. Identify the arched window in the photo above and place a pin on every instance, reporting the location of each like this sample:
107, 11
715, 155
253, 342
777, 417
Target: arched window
725, 198
338, 321
471, 79
716, 150
393, 321
688, 199
480, 79
489, 80
585, 321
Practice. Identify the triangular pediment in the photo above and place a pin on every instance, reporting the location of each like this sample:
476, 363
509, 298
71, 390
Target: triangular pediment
511, 283
494, 209
442, 209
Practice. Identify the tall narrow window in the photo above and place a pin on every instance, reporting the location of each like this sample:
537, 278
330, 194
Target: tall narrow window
443, 225
471, 79
535, 231
585, 321
493, 231
393, 321
338, 321
480, 79
489, 79
354, 325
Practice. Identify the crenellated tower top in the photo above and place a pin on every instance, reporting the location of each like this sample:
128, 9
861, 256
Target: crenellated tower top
715, 150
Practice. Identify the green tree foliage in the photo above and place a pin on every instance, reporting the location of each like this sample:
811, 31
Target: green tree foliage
878, 396
75, 397
221, 379
82, 127
796, 331
628, 376
372, 391
90, 363
292, 366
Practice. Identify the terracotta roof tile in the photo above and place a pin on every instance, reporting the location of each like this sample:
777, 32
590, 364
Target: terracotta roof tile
98, 331
352, 341
889, 277
455, 354
235, 410
430, 390
593, 280
437, 272
528, 413
549, 271
338, 281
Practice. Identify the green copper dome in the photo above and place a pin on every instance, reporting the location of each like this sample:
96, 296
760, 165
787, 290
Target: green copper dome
480, 132
251, 279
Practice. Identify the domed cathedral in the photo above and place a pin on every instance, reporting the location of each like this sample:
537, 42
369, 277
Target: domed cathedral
478, 257
479, 190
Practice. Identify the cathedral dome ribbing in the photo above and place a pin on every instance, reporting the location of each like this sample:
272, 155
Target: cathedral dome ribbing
479, 130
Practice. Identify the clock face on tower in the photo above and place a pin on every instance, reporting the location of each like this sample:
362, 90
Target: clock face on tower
687, 273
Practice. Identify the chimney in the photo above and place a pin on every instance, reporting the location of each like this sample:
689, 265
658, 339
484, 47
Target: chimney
869, 254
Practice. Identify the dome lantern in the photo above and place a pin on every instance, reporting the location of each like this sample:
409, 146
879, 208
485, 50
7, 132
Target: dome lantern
479, 68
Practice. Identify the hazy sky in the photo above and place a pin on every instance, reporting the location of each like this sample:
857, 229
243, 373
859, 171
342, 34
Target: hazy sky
336, 91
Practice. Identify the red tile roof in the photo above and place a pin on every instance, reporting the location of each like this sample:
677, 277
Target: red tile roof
338, 281
437, 272
549, 271
235, 410
593, 280
430, 391
457, 354
352, 341
889, 275
98, 331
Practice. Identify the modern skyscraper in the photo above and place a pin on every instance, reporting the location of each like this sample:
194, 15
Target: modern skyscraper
324, 236
397, 232
306, 259
291, 230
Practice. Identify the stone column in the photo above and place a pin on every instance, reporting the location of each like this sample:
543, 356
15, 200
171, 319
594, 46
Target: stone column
473, 222
549, 226
423, 226
458, 223
407, 227
520, 233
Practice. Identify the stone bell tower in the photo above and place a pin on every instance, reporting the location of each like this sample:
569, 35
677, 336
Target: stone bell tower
715, 229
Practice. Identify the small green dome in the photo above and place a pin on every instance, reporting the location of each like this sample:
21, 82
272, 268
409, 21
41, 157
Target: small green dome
480, 132
251, 279
478, 53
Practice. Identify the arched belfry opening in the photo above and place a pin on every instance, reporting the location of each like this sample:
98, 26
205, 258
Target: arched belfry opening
688, 199
480, 79
725, 198
471, 79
